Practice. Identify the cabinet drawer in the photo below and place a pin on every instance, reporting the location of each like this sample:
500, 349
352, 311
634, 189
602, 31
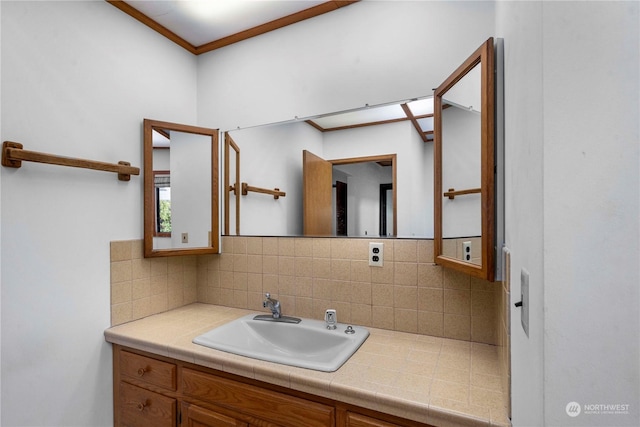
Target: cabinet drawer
268, 405
144, 408
150, 370
358, 420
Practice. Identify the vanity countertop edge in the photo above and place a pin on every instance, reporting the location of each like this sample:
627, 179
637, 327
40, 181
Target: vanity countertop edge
384, 375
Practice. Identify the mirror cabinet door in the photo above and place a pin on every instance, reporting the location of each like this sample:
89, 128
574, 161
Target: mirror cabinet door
464, 157
180, 189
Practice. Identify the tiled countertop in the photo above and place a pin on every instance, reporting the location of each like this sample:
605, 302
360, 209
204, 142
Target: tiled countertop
432, 380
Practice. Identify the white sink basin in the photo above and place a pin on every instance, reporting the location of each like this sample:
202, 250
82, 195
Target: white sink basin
308, 344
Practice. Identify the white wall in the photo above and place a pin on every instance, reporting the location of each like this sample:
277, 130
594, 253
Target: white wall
375, 52
77, 80
190, 160
572, 207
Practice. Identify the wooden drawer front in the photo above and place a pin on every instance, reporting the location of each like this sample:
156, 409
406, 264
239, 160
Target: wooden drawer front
358, 420
144, 408
265, 404
150, 370
193, 416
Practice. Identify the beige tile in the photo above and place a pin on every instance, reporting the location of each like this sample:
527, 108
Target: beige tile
254, 282
431, 323
321, 247
120, 292
304, 307
239, 262
286, 266
406, 273
457, 326
254, 246
360, 271
286, 286
227, 244
137, 249
340, 248
360, 293
484, 303
121, 313
120, 250
213, 278
430, 276
321, 268
159, 303
270, 246
322, 289
430, 299
450, 390
175, 265
457, 301
382, 317
383, 274
303, 247
405, 251
286, 246
406, 320
240, 299
254, 263
425, 251
175, 299
454, 375
483, 329
270, 264
341, 269
141, 308
456, 280
303, 266
361, 314
158, 285
270, 283
359, 249
405, 297
304, 287
382, 295
159, 267
239, 245
121, 271
240, 281
141, 288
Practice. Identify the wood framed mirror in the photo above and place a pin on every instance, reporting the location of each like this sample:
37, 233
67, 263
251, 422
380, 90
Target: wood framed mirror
464, 166
180, 189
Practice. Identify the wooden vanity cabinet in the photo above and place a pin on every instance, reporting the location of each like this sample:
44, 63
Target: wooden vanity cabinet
155, 391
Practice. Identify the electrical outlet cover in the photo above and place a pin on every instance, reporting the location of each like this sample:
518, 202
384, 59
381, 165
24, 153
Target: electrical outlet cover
376, 254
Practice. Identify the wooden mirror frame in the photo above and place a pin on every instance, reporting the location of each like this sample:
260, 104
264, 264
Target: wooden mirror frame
149, 208
484, 56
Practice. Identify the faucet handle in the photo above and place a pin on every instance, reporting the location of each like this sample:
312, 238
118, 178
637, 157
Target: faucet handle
331, 318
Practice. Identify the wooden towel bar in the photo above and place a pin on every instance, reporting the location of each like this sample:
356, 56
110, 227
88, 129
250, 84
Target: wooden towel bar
276, 193
13, 155
452, 193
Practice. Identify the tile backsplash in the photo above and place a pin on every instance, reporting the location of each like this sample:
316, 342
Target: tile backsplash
309, 275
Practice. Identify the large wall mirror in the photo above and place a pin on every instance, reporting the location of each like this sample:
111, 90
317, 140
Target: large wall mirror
180, 189
464, 160
366, 172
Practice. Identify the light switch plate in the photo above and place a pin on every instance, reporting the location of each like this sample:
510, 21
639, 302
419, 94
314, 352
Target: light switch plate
524, 297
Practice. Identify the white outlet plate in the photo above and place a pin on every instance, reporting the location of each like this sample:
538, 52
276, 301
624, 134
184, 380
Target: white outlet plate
466, 251
376, 254
185, 237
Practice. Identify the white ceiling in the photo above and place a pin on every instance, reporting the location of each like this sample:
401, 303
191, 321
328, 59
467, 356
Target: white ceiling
202, 21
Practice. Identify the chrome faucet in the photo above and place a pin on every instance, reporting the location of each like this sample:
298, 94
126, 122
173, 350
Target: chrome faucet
273, 305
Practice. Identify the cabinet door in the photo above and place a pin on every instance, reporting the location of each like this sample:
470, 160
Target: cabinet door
194, 416
144, 408
358, 420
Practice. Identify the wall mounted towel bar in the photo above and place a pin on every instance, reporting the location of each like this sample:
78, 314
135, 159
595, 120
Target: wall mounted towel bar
452, 193
276, 193
13, 155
